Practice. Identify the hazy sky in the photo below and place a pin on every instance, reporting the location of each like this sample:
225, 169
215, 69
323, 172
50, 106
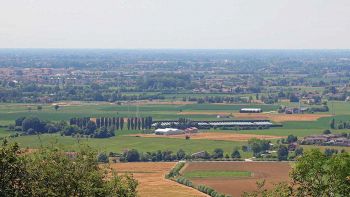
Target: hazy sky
175, 24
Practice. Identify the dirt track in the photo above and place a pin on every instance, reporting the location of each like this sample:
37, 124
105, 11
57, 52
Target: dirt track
272, 172
152, 182
214, 136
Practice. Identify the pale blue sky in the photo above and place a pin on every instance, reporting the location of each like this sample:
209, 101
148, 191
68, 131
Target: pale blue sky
236, 24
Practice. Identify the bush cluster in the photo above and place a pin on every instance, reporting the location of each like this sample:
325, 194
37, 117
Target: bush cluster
175, 171
184, 181
210, 191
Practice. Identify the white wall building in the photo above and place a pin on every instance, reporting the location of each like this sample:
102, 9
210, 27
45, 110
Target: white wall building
168, 131
250, 110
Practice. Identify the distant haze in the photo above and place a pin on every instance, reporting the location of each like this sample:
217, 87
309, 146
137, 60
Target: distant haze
202, 24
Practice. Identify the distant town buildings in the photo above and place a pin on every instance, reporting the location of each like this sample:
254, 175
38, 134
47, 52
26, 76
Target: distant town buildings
327, 140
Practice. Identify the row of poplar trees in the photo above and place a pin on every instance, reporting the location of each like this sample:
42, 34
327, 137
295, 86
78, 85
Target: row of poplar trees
117, 123
139, 123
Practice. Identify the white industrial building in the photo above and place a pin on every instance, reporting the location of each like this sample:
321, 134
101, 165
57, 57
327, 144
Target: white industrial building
250, 110
169, 131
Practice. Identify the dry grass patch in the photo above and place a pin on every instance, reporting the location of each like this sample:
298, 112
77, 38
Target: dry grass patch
152, 182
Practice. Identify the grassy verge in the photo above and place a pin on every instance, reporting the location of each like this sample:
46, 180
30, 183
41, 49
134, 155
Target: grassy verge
216, 174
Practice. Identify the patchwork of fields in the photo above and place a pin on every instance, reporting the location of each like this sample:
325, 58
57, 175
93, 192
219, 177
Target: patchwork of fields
239, 176
235, 178
164, 111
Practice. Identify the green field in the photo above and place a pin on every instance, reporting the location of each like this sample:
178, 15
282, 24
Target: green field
204, 174
226, 107
10, 111
4, 133
121, 143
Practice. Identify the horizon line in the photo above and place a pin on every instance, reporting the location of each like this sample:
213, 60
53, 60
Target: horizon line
98, 48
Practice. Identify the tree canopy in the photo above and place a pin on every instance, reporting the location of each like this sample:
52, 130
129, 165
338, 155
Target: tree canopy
315, 174
53, 172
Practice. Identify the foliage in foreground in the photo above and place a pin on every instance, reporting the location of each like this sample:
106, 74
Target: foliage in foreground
52, 172
315, 174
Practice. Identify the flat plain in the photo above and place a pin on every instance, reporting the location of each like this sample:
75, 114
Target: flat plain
213, 136
271, 172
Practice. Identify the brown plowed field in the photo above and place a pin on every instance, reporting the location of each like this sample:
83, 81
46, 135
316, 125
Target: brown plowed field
268, 116
272, 172
152, 182
213, 136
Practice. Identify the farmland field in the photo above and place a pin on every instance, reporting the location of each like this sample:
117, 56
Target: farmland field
208, 140
152, 182
272, 172
205, 174
213, 136
121, 143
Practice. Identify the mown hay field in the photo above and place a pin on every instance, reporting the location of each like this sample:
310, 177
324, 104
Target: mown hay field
152, 182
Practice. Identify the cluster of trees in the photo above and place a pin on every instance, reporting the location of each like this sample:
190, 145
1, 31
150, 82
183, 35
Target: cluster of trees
269, 99
74, 130
52, 172
142, 123
108, 122
330, 151
290, 139
210, 191
104, 127
33, 125
175, 171
339, 124
79, 126
260, 149
184, 181
258, 146
282, 153
323, 108
314, 174
134, 155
